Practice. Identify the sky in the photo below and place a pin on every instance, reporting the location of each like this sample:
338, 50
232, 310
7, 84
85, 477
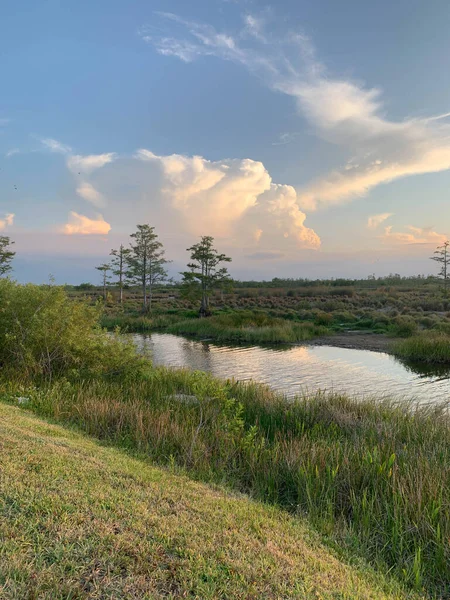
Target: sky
311, 139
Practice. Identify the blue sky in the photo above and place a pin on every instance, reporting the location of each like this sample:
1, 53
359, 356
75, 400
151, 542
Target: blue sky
311, 139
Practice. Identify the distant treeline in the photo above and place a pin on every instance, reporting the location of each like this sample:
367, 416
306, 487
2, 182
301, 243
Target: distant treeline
277, 282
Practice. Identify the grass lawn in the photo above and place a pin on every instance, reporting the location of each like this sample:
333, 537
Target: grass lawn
80, 520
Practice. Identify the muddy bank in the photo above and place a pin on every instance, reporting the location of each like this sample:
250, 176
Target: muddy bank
356, 340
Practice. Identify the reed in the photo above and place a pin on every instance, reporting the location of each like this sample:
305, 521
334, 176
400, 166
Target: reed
374, 477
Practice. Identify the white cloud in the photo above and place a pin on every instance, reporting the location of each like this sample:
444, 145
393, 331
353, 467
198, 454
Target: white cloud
88, 192
55, 146
7, 221
12, 152
375, 220
222, 197
414, 235
254, 26
81, 225
86, 164
342, 112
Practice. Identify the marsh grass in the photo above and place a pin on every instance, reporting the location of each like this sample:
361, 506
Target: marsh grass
254, 327
373, 477
429, 347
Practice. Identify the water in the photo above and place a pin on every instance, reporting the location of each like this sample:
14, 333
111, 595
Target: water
296, 369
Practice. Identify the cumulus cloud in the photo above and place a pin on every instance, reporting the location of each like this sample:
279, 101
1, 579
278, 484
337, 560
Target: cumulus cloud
343, 112
81, 225
86, 164
7, 221
220, 197
88, 192
375, 220
414, 235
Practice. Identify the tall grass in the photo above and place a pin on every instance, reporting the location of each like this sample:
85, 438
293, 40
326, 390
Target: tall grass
429, 347
248, 327
374, 477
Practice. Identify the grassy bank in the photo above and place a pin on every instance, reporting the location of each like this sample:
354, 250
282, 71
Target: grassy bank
248, 327
242, 326
82, 521
428, 348
372, 477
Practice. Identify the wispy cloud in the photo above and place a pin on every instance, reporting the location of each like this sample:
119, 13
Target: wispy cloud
7, 221
343, 112
86, 164
88, 192
82, 225
12, 152
375, 220
414, 235
55, 146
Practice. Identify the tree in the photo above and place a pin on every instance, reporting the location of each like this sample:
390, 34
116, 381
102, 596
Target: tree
104, 270
205, 273
6, 255
146, 262
442, 256
119, 267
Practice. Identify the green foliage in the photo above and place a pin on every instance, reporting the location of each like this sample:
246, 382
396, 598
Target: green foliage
6, 255
146, 262
403, 326
44, 333
374, 477
442, 257
429, 347
248, 327
204, 274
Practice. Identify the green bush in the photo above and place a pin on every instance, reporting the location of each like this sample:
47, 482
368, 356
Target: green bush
403, 326
44, 333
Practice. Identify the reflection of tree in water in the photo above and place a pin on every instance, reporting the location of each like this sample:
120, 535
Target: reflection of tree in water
426, 369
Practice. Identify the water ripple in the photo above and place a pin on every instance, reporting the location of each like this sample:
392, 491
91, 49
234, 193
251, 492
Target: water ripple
295, 369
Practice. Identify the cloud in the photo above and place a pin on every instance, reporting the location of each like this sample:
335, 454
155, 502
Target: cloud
414, 235
343, 112
221, 198
7, 221
12, 152
375, 220
254, 26
88, 192
81, 225
55, 146
86, 164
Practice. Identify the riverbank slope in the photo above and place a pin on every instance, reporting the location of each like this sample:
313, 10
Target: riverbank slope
82, 520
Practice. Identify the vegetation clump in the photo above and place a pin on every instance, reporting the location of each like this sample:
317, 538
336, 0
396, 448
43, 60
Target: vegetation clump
373, 477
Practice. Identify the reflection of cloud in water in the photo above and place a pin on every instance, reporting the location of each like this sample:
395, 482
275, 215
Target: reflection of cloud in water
299, 369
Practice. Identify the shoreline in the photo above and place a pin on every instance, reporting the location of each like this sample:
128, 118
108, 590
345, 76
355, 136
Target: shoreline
373, 342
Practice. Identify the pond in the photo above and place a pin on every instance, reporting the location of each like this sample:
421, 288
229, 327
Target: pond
302, 369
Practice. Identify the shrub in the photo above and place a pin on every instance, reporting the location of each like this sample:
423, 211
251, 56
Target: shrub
44, 333
403, 326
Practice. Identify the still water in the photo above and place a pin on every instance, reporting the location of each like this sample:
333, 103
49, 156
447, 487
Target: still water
302, 369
